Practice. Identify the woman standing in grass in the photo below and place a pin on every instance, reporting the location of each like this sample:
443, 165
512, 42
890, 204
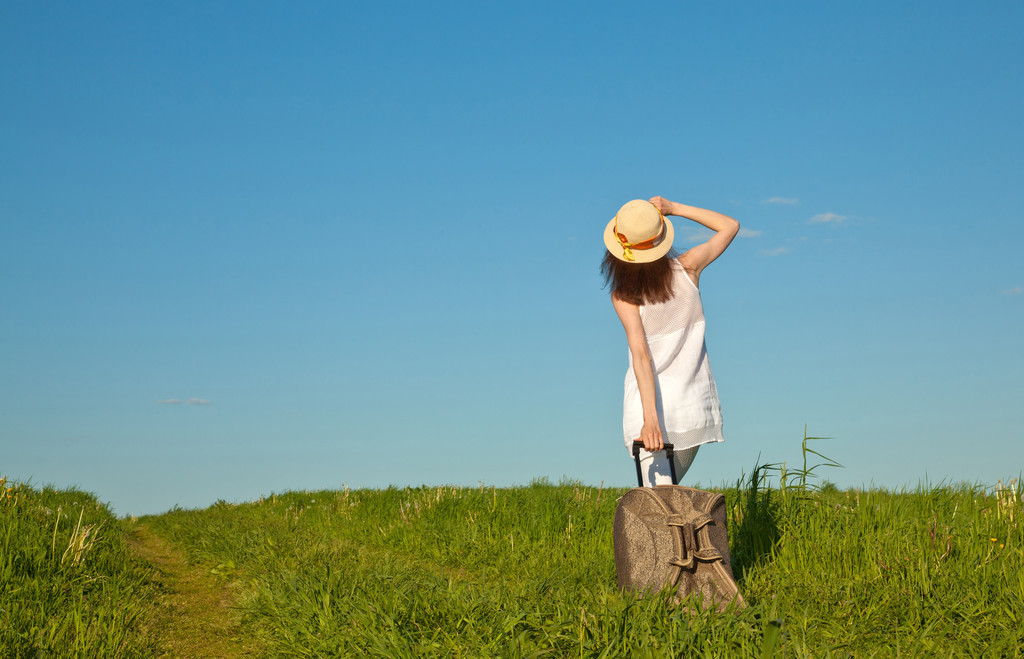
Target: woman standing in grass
670, 394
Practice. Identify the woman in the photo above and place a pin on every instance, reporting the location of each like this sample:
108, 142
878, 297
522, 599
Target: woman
670, 394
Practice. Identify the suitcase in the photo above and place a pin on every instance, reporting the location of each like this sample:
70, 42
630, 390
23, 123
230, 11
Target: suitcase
675, 536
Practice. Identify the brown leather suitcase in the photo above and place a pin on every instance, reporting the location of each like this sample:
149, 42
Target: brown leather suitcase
675, 536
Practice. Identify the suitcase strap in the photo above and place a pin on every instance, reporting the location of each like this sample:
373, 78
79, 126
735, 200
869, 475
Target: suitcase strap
668, 448
691, 552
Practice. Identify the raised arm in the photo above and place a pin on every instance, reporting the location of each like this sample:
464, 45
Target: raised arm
700, 256
629, 314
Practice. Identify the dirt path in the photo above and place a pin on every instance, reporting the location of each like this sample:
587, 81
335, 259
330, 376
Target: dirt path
196, 617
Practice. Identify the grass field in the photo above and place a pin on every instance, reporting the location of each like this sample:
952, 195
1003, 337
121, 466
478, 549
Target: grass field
529, 572
69, 584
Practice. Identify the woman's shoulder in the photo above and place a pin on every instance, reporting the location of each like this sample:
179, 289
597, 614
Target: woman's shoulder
680, 269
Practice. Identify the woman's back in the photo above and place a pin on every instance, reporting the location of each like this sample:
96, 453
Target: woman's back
688, 408
681, 311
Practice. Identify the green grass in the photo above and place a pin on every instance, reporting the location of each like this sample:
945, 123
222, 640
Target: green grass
529, 572
69, 585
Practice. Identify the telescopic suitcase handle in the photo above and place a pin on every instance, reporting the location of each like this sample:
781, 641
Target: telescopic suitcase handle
668, 448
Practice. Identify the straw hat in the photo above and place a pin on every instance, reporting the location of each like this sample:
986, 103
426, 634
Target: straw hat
638, 233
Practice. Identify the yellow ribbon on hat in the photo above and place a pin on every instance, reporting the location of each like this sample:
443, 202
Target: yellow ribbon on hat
628, 247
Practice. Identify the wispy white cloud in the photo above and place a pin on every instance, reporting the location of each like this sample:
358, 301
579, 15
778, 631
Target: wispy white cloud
170, 401
748, 233
784, 201
778, 251
1016, 290
697, 235
197, 401
827, 218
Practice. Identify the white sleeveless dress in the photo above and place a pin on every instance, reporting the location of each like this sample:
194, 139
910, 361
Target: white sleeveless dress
688, 407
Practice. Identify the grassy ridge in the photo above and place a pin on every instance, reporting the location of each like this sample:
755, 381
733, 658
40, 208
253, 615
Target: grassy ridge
529, 571
69, 585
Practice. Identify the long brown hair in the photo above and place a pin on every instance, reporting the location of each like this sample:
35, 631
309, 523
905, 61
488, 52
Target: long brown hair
639, 283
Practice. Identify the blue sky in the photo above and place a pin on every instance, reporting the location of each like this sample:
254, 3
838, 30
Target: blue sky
359, 244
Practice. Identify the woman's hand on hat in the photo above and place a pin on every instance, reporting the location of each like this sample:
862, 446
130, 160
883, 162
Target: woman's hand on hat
663, 205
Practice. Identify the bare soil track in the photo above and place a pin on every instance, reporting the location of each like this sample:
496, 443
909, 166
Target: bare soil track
196, 617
